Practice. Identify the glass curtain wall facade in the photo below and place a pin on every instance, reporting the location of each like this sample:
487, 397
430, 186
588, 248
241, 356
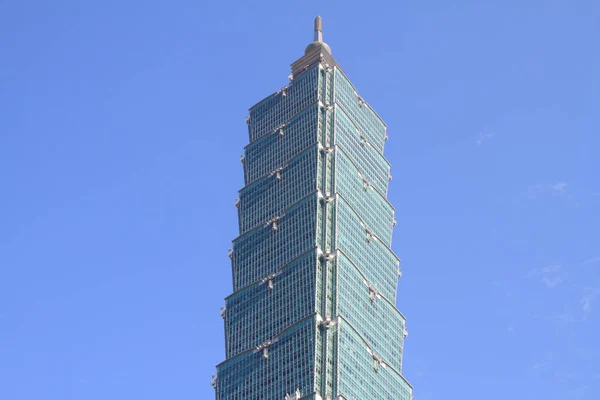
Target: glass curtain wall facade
312, 314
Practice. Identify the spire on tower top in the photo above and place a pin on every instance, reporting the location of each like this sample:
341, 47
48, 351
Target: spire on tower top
318, 29
317, 52
318, 41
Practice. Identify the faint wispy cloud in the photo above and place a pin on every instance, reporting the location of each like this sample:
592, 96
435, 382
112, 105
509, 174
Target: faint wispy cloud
591, 261
482, 137
551, 281
559, 188
588, 298
538, 365
566, 319
550, 276
562, 377
586, 301
543, 363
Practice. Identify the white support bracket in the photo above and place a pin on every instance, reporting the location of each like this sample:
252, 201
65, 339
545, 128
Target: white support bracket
365, 183
280, 129
328, 198
283, 91
369, 232
273, 222
328, 256
269, 279
277, 173
296, 395
328, 148
329, 322
264, 347
373, 294
377, 360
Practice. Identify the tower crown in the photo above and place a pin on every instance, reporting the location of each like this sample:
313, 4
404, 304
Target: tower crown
318, 40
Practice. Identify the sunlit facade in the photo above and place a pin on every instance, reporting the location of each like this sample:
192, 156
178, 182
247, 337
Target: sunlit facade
312, 314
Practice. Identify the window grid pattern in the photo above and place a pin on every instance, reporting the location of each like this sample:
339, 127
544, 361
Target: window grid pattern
374, 259
274, 150
370, 162
276, 110
370, 205
358, 378
260, 311
270, 196
378, 322
263, 250
289, 366
363, 116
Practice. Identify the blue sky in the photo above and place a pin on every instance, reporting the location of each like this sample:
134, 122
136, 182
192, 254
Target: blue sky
121, 127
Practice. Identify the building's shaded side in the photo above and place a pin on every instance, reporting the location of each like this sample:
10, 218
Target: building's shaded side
312, 313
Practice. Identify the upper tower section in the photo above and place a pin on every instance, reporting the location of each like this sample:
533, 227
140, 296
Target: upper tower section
315, 52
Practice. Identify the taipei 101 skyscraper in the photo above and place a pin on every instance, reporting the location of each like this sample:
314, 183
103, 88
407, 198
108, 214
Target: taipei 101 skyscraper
312, 314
